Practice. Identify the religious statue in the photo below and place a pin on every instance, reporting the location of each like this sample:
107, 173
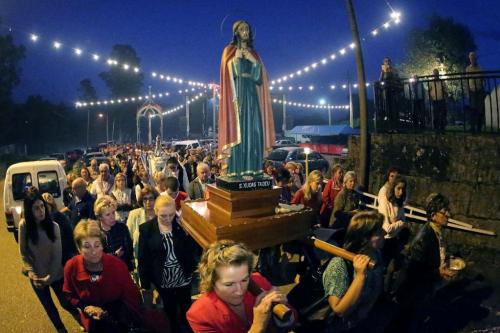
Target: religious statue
246, 125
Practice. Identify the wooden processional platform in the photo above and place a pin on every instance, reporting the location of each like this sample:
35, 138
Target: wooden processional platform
243, 216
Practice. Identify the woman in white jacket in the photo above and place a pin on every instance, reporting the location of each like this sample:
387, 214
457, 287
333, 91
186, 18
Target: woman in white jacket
394, 218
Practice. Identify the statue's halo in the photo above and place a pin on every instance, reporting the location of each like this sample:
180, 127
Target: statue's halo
226, 32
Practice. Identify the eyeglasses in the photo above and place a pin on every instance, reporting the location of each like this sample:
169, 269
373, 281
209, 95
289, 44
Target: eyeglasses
445, 213
148, 199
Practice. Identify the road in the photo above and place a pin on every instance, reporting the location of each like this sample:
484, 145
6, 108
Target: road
19, 307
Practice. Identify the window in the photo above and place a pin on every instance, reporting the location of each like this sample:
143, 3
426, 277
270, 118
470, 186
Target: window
278, 155
314, 156
19, 183
48, 182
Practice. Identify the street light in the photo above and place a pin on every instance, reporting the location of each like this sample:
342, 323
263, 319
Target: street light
323, 102
101, 115
307, 151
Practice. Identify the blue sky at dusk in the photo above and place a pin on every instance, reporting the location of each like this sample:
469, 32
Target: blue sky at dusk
184, 38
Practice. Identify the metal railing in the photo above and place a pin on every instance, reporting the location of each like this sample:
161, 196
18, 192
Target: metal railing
458, 102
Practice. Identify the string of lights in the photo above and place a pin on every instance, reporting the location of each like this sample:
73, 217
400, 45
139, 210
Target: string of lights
83, 104
171, 78
97, 57
311, 106
312, 87
394, 20
181, 106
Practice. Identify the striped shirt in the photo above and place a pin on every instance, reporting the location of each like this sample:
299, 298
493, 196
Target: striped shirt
172, 276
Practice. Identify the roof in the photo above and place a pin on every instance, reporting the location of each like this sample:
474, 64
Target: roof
324, 130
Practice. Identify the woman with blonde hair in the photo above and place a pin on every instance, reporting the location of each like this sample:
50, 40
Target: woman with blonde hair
117, 237
167, 259
123, 197
310, 194
226, 304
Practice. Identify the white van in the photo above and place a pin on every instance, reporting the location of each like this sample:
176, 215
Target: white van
47, 176
185, 145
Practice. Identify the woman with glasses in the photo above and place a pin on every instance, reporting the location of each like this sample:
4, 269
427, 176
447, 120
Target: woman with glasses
41, 254
167, 259
145, 212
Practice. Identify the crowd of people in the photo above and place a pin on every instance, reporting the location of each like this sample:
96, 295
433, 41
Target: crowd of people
117, 251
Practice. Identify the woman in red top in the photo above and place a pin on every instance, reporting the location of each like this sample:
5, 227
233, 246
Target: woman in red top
332, 188
99, 284
226, 305
310, 194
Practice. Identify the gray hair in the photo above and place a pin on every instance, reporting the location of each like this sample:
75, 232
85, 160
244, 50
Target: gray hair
104, 166
349, 175
202, 166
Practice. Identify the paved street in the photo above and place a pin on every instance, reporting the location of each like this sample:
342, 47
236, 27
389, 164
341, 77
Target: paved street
20, 309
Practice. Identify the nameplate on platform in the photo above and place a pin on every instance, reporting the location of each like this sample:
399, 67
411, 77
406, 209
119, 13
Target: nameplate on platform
238, 184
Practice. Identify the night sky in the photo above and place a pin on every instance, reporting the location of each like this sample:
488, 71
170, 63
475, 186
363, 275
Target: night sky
184, 38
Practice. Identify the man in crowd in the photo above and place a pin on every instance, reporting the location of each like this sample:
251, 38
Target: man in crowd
476, 93
190, 167
178, 171
94, 170
196, 189
81, 205
104, 182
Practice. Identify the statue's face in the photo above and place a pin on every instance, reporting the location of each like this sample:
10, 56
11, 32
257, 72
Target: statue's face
244, 32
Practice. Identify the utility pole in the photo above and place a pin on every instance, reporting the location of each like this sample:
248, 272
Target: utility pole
363, 121
351, 111
329, 115
88, 126
283, 126
107, 127
187, 116
214, 106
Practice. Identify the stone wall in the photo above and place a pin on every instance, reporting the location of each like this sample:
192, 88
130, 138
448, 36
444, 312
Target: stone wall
463, 167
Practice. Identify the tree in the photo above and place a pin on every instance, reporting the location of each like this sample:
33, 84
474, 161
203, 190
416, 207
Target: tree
10, 70
444, 44
86, 91
122, 83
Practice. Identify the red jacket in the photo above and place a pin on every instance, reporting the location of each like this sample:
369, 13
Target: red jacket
329, 193
115, 284
181, 196
210, 314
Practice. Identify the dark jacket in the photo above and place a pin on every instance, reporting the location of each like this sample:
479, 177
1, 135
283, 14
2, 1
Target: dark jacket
345, 203
67, 242
152, 255
83, 209
423, 255
119, 236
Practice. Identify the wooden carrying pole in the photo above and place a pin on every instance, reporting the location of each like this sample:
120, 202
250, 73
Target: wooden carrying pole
281, 311
338, 251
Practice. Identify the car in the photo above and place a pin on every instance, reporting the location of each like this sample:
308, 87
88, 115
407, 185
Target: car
46, 175
100, 157
280, 156
284, 143
74, 155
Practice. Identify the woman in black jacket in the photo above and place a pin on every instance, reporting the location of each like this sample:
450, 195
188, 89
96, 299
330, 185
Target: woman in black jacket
167, 259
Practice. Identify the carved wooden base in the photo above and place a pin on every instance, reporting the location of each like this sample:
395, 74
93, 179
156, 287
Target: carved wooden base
246, 217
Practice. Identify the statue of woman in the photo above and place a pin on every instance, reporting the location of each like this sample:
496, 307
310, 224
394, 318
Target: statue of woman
246, 126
